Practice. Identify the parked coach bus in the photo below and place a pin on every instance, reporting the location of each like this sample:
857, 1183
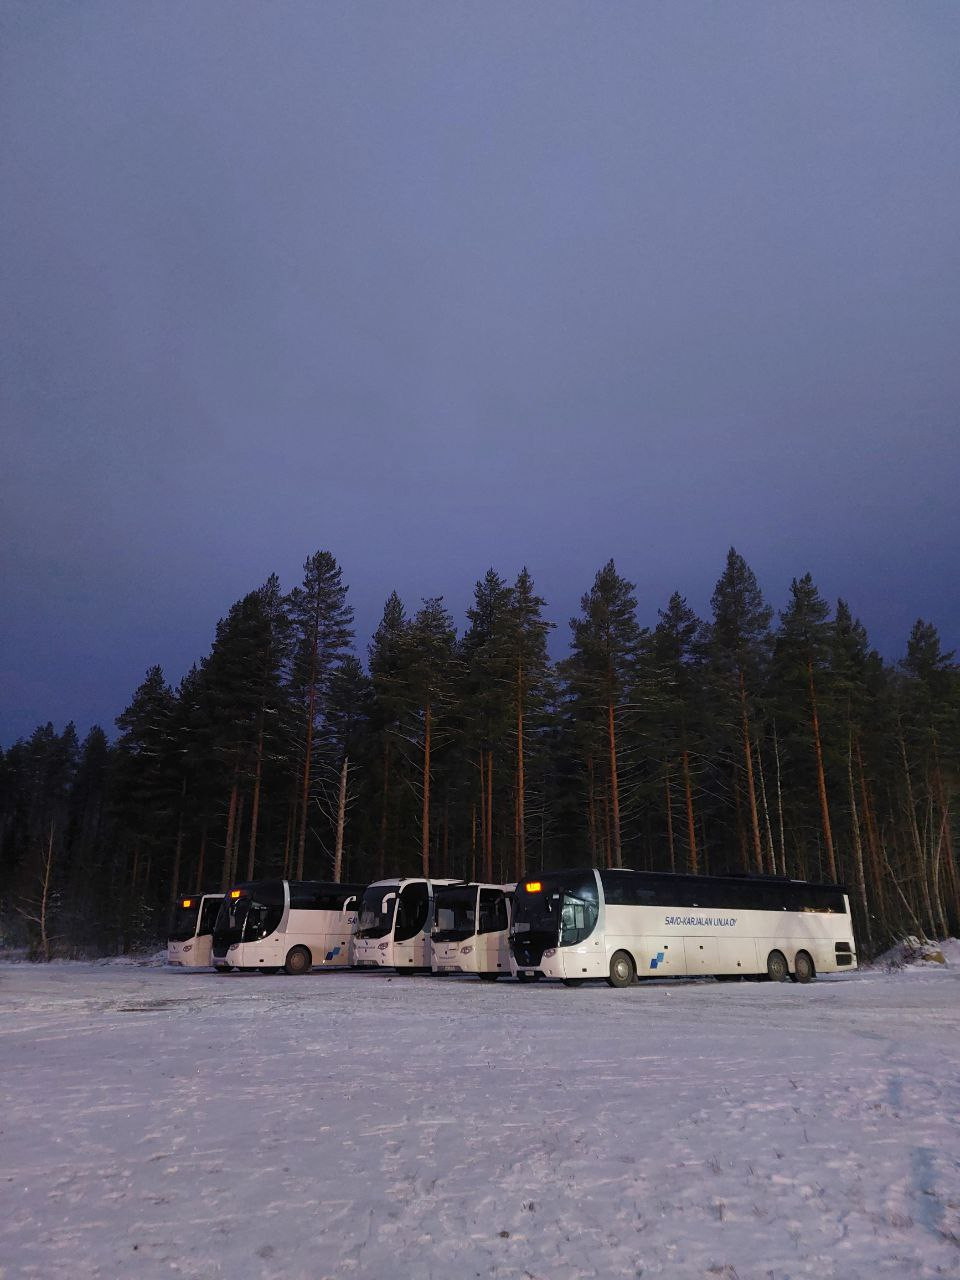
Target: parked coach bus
622, 925
394, 927
289, 924
190, 938
470, 929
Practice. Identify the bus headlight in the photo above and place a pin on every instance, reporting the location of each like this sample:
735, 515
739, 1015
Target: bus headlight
187, 948
550, 951
383, 946
466, 951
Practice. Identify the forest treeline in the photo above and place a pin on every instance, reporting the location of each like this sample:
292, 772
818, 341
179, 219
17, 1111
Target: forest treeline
740, 742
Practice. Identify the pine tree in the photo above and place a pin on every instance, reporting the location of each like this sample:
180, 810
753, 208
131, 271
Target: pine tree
739, 642
387, 661
486, 689
801, 656
677, 653
324, 626
430, 654
530, 663
605, 642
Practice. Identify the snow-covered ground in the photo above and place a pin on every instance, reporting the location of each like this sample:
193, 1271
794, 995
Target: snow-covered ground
159, 1123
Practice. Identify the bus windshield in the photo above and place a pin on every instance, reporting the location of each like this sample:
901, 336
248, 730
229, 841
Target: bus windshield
254, 913
376, 911
558, 909
184, 922
456, 914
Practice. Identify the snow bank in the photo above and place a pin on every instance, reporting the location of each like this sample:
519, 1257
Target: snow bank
913, 952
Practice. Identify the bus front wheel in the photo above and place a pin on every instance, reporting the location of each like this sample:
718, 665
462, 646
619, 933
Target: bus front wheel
298, 961
777, 968
803, 970
621, 970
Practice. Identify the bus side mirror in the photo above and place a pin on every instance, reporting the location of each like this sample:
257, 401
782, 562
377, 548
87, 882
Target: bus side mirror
383, 905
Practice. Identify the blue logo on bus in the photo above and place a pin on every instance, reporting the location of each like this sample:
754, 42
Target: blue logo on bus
657, 960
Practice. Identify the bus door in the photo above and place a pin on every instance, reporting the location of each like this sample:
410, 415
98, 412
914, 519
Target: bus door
492, 924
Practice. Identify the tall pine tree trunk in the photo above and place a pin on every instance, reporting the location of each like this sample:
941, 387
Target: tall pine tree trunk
592, 814
341, 821
821, 779
178, 847
489, 867
873, 840
228, 839
751, 791
780, 832
521, 830
255, 810
952, 877
384, 800
857, 846
201, 858
771, 857
669, 807
617, 853
307, 760
920, 861
425, 818
693, 861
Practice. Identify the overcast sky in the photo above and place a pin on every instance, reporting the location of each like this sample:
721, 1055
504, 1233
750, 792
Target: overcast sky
439, 286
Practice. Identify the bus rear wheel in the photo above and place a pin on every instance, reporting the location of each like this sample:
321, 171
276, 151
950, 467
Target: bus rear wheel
298, 961
803, 968
621, 969
777, 967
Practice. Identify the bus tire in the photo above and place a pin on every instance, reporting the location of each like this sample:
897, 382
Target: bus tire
489, 977
777, 968
622, 970
528, 977
299, 960
803, 967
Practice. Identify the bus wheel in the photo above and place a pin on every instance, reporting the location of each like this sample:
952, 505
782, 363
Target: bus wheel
803, 970
489, 977
621, 970
777, 969
528, 977
299, 960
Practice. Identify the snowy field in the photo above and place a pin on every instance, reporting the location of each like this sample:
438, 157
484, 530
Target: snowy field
159, 1123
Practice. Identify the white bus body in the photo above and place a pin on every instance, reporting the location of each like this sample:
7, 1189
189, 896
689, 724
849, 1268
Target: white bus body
191, 930
622, 925
471, 930
396, 917
296, 925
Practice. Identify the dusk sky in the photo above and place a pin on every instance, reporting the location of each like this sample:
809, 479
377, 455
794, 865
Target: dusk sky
440, 286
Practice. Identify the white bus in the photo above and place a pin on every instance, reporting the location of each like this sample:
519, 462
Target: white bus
190, 937
290, 924
396, 917
624, 925
470, 929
